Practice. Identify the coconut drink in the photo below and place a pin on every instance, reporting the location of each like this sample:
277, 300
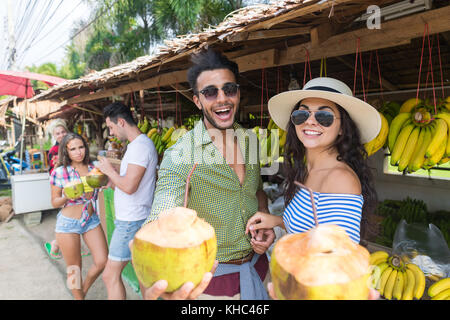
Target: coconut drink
96, 179
177, 247
320, 264
74, 190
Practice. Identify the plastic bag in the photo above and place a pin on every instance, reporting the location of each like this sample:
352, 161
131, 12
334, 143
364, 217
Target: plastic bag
425, 246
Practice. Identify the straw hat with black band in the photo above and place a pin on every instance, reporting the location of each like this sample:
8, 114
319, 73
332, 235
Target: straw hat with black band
366, 117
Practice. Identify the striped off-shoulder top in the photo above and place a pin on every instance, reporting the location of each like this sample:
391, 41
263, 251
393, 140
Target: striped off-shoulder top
342, 209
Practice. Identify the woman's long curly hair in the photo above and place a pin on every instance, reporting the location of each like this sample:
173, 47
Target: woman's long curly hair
350, 151
63, 154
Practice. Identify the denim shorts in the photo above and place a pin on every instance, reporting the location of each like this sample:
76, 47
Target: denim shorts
69, 225
123, 233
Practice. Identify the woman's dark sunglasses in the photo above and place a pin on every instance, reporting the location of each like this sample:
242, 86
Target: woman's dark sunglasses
323, 117
229, 89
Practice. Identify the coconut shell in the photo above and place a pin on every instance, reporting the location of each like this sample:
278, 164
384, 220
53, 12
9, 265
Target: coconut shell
177, 247
323, 263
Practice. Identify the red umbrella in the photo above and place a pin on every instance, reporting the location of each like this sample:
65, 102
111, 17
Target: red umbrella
17, 83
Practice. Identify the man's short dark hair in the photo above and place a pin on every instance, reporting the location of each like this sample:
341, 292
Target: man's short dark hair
118, 110
209, 60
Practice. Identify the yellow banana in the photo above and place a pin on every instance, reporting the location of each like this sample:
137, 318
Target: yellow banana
399, 285
409, 104
377, 257
151, 132
168, 134
446, 117
437, 156
395, 128
378, 271
409, 286
379, 141
384, 278
400, 143
445, 159
419, 277
418, 157
389, 288
438, 137
409, 149
443, 295
438, 287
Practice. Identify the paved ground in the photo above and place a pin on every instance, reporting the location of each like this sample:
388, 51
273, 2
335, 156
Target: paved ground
27, 272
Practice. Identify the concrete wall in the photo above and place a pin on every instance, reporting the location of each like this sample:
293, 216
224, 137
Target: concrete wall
434, 192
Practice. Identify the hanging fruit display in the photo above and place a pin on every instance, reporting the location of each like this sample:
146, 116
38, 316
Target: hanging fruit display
418, 136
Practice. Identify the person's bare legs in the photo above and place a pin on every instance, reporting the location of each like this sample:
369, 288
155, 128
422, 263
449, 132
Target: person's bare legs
96, 242
112, 276
70, 245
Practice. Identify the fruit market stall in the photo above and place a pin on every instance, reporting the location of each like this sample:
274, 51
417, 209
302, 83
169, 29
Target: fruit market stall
396, 58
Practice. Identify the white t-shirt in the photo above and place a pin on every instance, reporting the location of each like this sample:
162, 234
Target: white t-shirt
132, 207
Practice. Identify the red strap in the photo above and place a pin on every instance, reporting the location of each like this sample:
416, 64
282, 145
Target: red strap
358, 50
379, 75
440, 66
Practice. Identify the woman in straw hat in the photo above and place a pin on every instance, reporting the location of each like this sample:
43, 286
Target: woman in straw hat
326, 129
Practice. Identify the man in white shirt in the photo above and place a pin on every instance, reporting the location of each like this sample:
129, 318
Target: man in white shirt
133, 192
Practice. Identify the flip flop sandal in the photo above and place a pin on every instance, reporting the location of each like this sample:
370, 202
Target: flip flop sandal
51, 254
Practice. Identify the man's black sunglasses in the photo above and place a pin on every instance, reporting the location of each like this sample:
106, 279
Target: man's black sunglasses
229, 89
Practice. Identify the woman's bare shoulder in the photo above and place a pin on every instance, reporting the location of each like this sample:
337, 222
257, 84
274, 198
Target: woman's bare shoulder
342, 179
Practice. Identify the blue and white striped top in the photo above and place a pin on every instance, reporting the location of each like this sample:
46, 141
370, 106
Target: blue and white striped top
341, 209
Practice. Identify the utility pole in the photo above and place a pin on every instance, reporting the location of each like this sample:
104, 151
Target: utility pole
12, 39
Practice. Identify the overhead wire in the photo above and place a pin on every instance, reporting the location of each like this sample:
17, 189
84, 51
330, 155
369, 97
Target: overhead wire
76, 34
35, 26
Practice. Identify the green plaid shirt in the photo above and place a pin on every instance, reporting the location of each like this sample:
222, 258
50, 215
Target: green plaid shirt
215, 191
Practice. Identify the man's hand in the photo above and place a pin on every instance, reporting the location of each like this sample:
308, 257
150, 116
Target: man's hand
105, 166
187, 291
262, 240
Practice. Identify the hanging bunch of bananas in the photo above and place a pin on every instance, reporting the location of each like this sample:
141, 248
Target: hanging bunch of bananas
418, 138
395, 278
144, 125
166, 137
269, 152
380, 140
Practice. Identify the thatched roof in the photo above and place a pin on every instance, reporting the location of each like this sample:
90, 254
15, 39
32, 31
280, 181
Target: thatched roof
322, 28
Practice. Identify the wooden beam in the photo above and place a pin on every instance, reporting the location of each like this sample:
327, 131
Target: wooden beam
268, 34
392, 33
183, 90
164, 79
257, 60
321, 33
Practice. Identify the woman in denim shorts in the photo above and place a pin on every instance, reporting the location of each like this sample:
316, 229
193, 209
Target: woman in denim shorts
78, 217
